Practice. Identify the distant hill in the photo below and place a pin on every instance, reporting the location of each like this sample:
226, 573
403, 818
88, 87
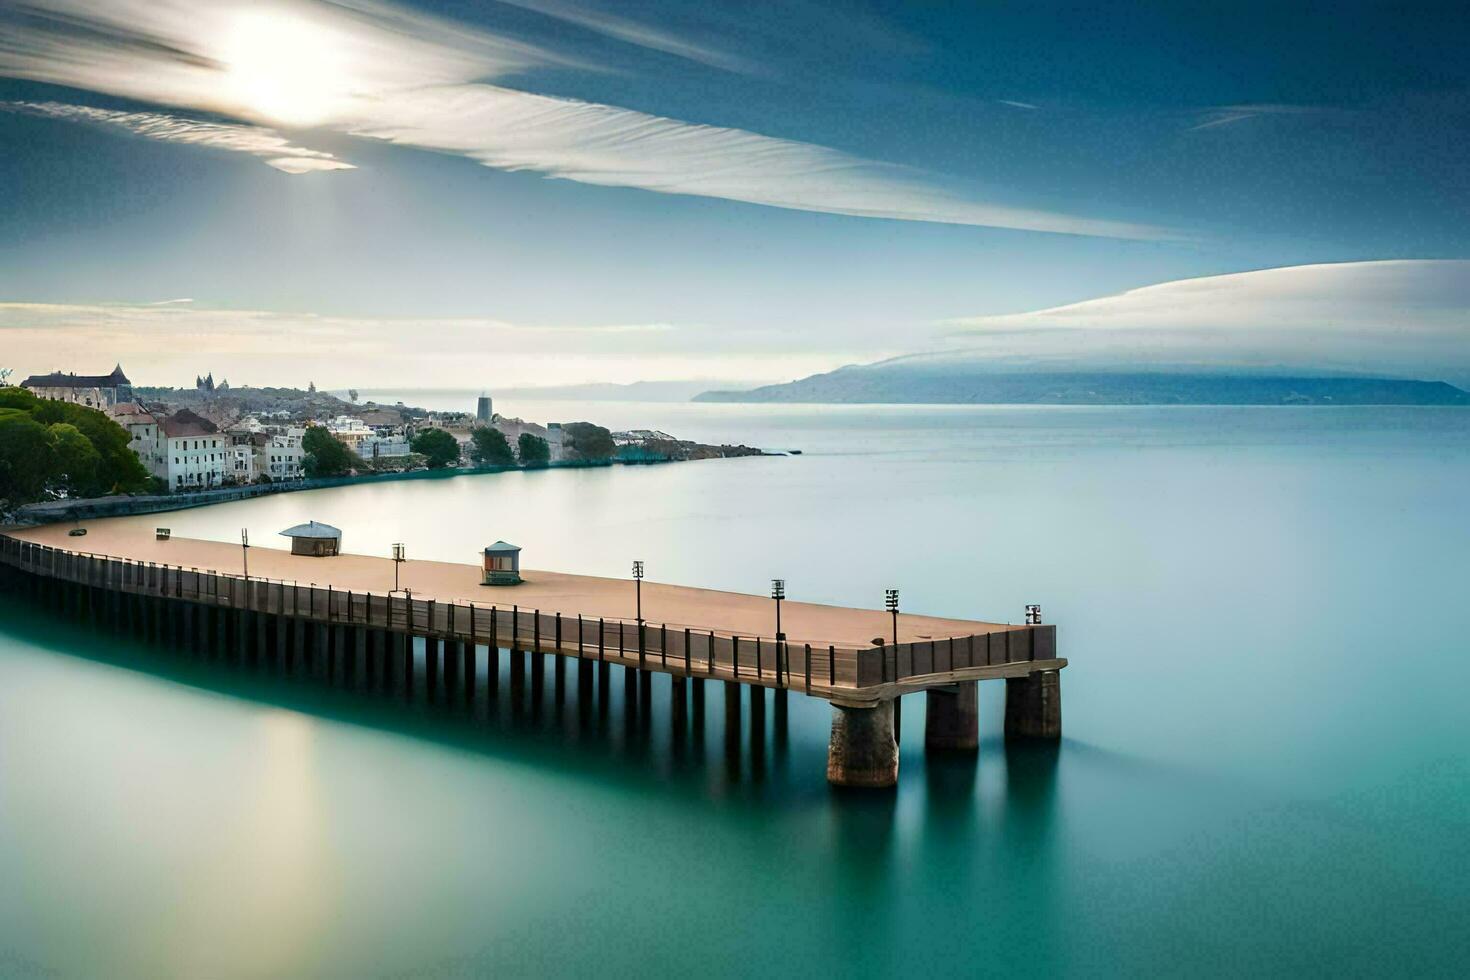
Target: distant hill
902, 382
638, 391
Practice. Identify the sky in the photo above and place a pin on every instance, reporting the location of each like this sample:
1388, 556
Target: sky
553, 191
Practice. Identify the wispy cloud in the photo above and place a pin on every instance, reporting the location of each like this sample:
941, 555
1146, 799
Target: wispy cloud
600, 144
1017, 105
1408, 317
273, 148
373, 70
633, 32
1229, 114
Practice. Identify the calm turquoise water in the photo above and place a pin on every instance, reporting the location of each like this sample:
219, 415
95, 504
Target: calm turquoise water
1264, 769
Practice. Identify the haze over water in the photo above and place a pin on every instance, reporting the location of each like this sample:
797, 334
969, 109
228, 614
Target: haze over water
1263, 767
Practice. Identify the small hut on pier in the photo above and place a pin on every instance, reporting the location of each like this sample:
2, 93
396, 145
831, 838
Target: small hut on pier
314, 539
502, 564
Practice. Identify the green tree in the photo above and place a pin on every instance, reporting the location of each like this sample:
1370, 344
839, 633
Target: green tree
27, 458
583, 440
326, 455
437, 446
489, 447
533, 449
20, 398
118, 469
76, 460
88, 453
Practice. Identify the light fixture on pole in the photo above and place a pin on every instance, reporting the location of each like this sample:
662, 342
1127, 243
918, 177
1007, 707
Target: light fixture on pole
638, 586
245, 549
890, 602
397, 560
778, 592
1033, 614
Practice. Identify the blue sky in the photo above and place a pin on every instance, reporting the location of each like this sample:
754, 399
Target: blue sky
564, 190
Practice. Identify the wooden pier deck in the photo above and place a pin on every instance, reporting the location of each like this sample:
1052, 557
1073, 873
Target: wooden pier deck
726, 613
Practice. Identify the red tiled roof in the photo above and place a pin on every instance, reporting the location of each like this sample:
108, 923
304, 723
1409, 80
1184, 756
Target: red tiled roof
186, 423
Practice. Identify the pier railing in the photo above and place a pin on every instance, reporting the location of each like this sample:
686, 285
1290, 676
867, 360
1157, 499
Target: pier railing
650, 646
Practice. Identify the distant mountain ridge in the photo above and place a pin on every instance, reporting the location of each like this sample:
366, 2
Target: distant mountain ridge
897, 382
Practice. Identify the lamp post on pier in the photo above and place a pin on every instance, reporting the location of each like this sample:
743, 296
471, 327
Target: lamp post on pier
245, 550
638, 587
778, 592
397, 560
890, 602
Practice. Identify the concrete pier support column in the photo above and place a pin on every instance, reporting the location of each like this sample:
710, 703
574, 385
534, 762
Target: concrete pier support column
630, 700
538, 684
321, 650
585, 670
862, 751
452, 662
190, 634
757, 730
492, 672
518, 678
342, 657
390, 663
1034, 705
244, 625
361, 660
678, 704
952, 718
403, 666
645, 699
467, 673
262, 641
732, 729
301, 661
431, 669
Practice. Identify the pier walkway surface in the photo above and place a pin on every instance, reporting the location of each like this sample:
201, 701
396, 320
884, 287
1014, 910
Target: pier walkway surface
339, 620
593, 597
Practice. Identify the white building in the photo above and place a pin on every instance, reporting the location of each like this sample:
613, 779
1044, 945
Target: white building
381, 447
283, 454
195, 452
352, 432
147, 436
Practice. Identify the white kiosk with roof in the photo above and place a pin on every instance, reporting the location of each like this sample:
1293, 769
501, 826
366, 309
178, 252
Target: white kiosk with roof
314, 539
502, 564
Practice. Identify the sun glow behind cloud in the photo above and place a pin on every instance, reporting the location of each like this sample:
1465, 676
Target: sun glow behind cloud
284, 67
373, 70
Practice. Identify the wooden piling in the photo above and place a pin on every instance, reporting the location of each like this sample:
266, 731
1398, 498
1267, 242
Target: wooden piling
431, 668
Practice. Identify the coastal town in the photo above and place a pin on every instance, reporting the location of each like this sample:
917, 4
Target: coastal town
215, 436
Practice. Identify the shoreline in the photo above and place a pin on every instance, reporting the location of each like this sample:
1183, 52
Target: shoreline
96, 508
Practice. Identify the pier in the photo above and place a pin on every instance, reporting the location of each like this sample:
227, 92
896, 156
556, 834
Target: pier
340, 621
